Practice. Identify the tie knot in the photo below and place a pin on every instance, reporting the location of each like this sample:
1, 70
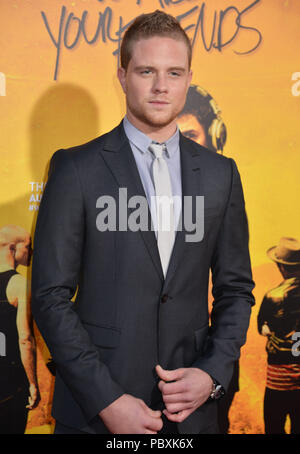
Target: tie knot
157, 149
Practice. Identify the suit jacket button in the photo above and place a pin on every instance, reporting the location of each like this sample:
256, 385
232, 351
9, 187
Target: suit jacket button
164, 298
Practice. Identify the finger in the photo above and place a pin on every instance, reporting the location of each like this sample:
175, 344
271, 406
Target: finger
176, 398
169, 375
177, 417
150, 431
178, 406
176, 387
153, 413
154, 424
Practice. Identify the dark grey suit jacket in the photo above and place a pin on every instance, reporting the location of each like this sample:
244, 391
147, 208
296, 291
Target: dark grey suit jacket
127, 318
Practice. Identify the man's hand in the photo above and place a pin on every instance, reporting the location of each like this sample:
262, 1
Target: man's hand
129, 415
190, 388
34, 397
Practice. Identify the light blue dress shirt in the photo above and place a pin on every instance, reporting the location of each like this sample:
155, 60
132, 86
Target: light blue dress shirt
144, 159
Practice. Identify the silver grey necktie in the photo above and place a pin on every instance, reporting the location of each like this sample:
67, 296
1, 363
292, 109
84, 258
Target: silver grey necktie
164, 206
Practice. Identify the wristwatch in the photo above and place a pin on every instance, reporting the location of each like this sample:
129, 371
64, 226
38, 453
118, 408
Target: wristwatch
217, 390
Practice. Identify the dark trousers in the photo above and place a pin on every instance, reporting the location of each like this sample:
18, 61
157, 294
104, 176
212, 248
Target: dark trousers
279, 404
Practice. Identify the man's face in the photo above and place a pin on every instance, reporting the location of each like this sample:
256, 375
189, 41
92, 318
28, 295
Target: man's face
191, 128
23, 252
156, 82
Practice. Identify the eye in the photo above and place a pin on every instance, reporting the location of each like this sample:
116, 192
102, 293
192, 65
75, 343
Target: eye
190, 134
146, 71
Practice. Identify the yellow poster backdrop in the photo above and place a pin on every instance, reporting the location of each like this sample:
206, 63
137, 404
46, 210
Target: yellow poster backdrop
58, 88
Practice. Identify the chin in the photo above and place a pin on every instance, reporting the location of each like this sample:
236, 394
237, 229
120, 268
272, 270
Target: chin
159, 121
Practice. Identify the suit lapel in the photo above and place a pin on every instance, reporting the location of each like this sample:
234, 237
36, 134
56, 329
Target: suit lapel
119, 158
192, 185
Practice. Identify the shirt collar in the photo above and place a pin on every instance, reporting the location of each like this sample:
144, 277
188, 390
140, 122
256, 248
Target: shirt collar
142, 141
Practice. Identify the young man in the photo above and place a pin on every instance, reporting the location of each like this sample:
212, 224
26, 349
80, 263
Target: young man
134, 353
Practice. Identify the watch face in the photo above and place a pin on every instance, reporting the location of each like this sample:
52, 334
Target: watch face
219, 392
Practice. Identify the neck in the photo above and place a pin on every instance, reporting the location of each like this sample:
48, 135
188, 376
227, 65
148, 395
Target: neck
159, 134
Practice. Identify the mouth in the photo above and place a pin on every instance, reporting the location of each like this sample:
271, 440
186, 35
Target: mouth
159, 103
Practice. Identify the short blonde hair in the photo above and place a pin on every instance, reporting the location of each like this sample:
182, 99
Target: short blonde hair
148, 25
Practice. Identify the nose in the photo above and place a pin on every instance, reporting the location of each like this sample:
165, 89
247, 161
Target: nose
160, 84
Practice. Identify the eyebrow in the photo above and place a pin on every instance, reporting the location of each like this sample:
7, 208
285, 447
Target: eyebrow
173, 68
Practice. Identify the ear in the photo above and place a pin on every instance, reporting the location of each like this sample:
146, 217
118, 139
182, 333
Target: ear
122, 78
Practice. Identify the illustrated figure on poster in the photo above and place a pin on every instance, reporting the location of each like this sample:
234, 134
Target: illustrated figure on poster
278, 320
135, 353
18, 379
201, 121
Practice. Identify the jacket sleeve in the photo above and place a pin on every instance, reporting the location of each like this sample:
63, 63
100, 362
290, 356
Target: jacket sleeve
232, 289
58, 245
